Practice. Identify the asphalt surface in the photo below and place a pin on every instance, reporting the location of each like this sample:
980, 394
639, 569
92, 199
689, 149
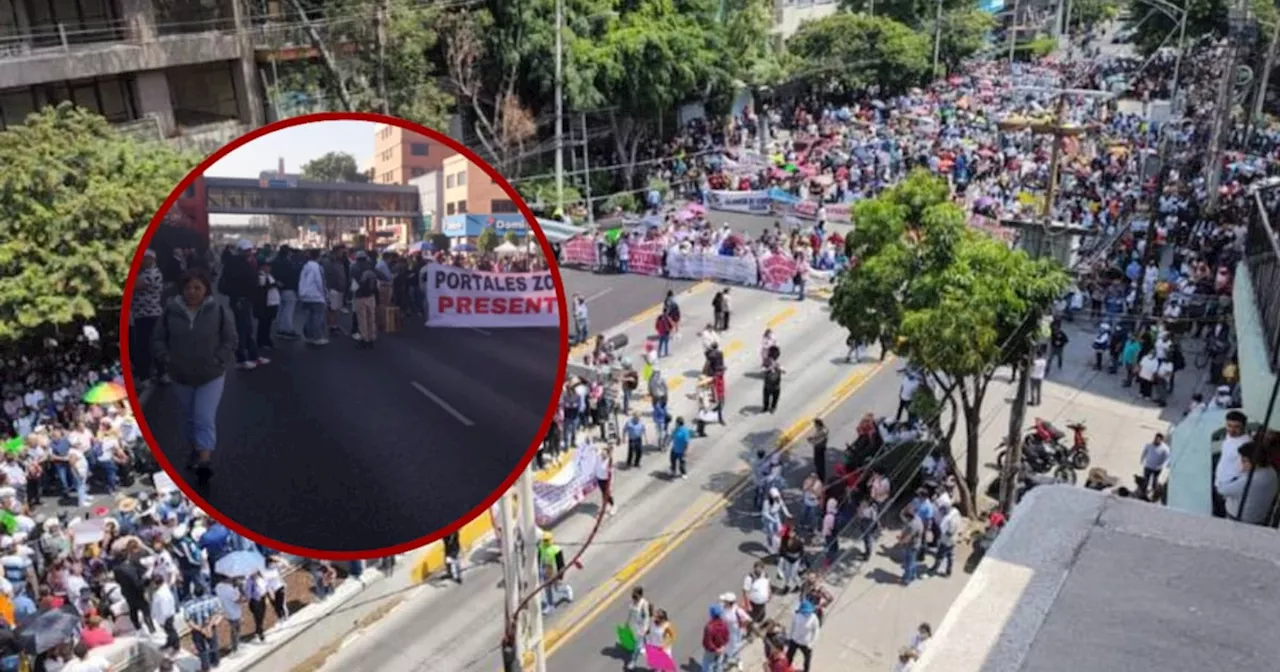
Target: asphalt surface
466, 620
343, 449
719, 553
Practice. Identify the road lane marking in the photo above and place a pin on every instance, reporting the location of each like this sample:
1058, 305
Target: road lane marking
733, 347
482, 332
675, 381
442, 404
587, 609
781, 317
598, 294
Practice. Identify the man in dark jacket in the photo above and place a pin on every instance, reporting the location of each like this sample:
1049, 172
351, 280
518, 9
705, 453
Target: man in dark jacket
239, 283
286, 270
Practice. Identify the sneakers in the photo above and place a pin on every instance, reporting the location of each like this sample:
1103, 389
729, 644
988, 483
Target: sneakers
356, 337
263, 361
247, 366
321, 341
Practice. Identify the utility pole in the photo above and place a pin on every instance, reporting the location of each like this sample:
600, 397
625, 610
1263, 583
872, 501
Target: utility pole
1013, 31
586, 167
380, 34
1260, 98
1237, 20
534, 644
937, 38
1013, 466
560, 105
511, 583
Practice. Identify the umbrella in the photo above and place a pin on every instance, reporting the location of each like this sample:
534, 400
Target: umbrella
626, 639
88, 532
240, 563
659, 660
14, 445
48, 630
105, 393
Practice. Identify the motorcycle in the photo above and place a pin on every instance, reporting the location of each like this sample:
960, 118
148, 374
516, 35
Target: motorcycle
1048, 437
1041, 457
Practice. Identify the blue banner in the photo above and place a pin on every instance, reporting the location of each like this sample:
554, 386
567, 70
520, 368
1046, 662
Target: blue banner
471, 225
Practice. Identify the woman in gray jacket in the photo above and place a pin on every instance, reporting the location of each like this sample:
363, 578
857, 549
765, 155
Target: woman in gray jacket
196, 340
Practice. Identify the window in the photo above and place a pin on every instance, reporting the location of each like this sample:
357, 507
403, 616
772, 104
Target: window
449, 210
419, 149
502, 205
386, 155
462, 207
448, 182
417, 172
462, 178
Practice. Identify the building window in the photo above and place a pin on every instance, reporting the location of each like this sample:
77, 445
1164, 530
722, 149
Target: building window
386, 155
448, 182
502, 205
462, 207
462, 178
417, 171
419, 149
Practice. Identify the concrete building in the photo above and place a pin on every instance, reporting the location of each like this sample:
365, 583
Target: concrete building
789, 14
1080, 580
469, 189
182, 71
400, 155
431, 197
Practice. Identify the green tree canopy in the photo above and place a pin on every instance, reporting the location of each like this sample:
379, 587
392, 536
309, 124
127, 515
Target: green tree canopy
489, 240
953, 301
851, 51
964, 33
1204, 18
914, 13
334, 167
75, 199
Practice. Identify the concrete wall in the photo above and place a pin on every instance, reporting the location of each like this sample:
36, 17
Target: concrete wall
115, 58
1256, 377
151, 91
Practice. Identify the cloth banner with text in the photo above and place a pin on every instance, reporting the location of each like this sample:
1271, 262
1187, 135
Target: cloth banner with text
777, 272
693, 266
579, 251
645, 258
567, 488
461, 297
792, 206
756, 202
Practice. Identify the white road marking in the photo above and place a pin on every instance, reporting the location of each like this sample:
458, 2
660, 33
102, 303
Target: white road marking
482, 332
599, 294
442, 404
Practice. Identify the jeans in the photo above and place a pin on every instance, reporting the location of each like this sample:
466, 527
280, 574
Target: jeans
234, 626
712, 661
264, 327
66, 478
110, 474
622, 265
809, 517
582, 329
771, 394
1033, 396
664, 345
635, 449
140, 346
678, 464
247, 348
313, 327
199, 406
288, 307
944, 554
206, 649
910, 565
807, 652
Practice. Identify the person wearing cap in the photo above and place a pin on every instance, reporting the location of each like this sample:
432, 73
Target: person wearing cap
772, 513
739, 623
239, 283
145, 310
551, 563
196, 341
715, 640
803, 634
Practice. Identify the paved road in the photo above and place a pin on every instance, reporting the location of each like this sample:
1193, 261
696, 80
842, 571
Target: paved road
717, 555
342, 449
466, 620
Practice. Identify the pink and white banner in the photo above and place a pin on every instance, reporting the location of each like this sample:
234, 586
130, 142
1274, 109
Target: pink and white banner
645, 258
579, 251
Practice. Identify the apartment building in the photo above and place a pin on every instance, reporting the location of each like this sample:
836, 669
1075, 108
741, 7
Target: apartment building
400, 155
183, 71
469, 189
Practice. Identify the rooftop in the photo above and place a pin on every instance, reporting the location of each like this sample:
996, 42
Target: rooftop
1081, 580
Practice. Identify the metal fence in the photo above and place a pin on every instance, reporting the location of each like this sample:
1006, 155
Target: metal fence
1262, 260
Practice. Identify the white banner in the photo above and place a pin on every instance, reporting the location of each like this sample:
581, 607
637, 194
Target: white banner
738, 270
555, 498
739, 201
461, 297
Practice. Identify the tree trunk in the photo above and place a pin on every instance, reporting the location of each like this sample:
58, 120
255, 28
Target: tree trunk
972, 424
326, 56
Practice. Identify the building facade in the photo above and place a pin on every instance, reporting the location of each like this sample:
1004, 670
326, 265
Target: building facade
180, 71
399, 155
469, 189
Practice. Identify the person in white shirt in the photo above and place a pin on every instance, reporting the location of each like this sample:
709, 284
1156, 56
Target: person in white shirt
757, 590
905, 394
1249, 494
639, 617
739, 623
1039, 367
1155, 457
164, 611
803, 634
229, 595
709, 338
1147, 374
948, 529
604, 479
624, 255
1228, 466
312, 294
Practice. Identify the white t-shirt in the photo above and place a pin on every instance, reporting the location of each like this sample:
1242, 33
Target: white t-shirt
89, 664
1039, 366
230, 596
1229, 463
757, 588
909, 386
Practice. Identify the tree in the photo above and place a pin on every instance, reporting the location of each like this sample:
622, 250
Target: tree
964, 33
334, 167
1204, 18
373, 57
511, 237
953, 301
847, 52
75, 199
913, 13
489, 240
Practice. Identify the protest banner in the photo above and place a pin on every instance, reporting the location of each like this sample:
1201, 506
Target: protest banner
645, 258
461, 297
785, 204
694, 266
739, 201
777, 271
578, 251
567, 488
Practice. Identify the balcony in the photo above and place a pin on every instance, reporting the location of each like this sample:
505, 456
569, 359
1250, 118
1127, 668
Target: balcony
26, 64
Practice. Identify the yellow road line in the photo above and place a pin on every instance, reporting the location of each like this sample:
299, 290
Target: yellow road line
709, 504
675, 381
652, 313
781, 317
733, 347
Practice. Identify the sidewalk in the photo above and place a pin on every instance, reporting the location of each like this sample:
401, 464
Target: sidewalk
874, 616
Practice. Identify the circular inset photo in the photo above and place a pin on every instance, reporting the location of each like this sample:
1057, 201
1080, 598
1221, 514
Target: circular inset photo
344, 335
